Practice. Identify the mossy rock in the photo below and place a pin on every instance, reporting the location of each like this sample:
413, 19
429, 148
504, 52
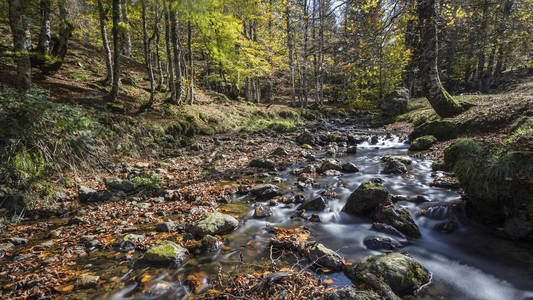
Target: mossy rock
164, 253
262, 163
494, 180
115, 107
281, 126
214, 224
128, 81
423, 143
443, 129
305, 138
367, 198
402, 273
348, 293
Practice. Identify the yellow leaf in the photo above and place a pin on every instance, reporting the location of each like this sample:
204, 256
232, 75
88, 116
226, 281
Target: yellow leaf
146, 278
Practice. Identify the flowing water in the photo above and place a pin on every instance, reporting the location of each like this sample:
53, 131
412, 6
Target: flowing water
465, 264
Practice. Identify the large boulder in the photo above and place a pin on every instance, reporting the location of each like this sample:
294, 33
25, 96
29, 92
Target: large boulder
396, 102
348, 293
398, 218
367, 198
116, 184
214, 224
207, 245
323, 257
262, 164
422, 143
381, 243
164, 253
443, 129
402, 273
305, 138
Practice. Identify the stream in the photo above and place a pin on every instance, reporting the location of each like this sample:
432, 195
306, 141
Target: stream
465, 264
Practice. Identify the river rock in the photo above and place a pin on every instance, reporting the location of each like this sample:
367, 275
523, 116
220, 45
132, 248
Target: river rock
262, 163
446, 227
398, 218
88, 281
262, 211
332, 173
265, 192
351, 150
317, 204
166, 252
349, 168
393, 165
396, 102
305, 138
367, 198
128, 242
323, 257
380, 227
330, 164
116, 184
86, 194
517, 228
167, 226
17, 240
402, 273
381, 243
214, 224
348, 293
207, 245
4, 247
280, 152
422, 143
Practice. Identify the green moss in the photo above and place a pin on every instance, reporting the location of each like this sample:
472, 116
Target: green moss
165, 252
423, 142
372, 185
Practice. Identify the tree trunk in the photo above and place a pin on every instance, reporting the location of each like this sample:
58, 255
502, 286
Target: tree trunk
411, 39
105, 43
442, 102
290, 49
126, 38
147, 55
191, 67
116, 47
481, 54
171, 82
43, 46
21, 41
158, 62
304, 54
176, 50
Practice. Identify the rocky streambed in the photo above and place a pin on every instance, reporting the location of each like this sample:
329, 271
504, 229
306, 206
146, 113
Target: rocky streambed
359, 214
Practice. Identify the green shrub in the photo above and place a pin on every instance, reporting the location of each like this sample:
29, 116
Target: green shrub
148, 182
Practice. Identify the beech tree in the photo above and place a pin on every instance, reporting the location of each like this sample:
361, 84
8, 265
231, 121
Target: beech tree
18, 21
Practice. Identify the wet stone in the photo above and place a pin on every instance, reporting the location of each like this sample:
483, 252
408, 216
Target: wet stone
165, 226
265, 192
17, 240
350, 168
4, 247
446, 227
88, 281
384, 228
348, 293
262, 211
367, 198
207, 245
402, 273
323, 257
381, 243
398, 218
317, 204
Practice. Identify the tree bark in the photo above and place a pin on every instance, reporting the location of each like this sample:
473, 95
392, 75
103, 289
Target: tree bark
117, 47
21, 41
442, 102
176, 49
170, 61
126, 37
147, 55
191, 66
43, 46
290, 49
305, 54
105, 43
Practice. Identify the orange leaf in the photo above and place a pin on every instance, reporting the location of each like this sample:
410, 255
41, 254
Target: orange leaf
146, 278
64, 288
